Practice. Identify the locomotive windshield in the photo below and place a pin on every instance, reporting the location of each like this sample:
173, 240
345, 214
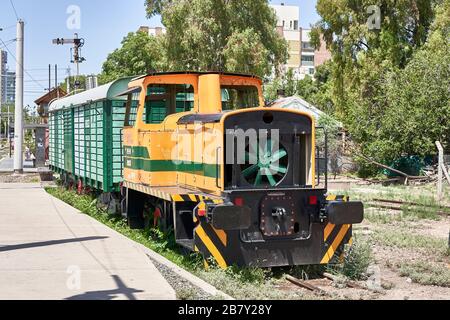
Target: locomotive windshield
239, 97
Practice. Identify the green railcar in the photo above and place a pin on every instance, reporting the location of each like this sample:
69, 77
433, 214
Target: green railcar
86, 136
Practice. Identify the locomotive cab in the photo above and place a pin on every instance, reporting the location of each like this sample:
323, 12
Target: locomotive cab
234, 179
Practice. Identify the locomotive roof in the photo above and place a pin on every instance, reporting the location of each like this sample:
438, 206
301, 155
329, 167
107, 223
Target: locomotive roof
108, 91
197, 73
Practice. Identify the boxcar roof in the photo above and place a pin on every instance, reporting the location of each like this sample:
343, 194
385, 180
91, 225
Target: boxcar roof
108, 91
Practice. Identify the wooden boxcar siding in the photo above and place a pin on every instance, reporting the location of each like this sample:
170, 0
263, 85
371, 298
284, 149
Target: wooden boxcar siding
86, 141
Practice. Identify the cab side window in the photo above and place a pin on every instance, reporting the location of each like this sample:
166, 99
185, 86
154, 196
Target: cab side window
165, 99
239, 97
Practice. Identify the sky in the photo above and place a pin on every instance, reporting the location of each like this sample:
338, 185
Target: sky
102, 27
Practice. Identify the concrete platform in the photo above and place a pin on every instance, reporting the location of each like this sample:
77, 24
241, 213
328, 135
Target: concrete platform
7, 166
50, 251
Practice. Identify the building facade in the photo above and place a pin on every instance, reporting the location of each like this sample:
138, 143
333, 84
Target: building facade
153, 31
303, 57
7, 80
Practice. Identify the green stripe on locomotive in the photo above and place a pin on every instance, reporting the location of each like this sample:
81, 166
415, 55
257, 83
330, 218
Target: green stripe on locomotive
86, 136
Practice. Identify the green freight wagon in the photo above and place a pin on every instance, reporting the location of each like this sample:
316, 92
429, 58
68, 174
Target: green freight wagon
86, 136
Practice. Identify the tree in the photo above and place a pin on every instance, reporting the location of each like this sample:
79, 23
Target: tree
290, 83
419, 97
307, 88
356, 47
155, 7
370, 65
138, 54
81, 80
220, 35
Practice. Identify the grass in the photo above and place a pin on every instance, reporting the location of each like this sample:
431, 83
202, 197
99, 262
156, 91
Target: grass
429, 208
426, 273
240, 283
401, 239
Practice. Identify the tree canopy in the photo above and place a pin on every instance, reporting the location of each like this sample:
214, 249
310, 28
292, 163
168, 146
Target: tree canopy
138, 54
221, 35
203, 35
388, 83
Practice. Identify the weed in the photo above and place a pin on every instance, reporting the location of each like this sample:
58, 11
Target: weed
426, 273
185, 295
357, 259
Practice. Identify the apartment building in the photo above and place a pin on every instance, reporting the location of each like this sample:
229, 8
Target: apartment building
303, 58
7, 80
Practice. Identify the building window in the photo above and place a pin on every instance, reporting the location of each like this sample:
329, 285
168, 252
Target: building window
311, 71
307, 46
307, 61
295, 24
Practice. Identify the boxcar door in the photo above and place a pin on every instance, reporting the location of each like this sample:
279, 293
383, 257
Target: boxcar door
68, 141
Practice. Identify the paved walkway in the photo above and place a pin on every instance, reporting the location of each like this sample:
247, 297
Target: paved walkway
48, 250
7, 165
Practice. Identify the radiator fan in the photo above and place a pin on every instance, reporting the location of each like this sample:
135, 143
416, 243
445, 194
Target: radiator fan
271, 166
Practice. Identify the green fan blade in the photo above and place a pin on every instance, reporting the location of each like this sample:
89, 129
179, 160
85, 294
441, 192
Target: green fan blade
272, 180
280, 154
250, 170
278, 169
258, 179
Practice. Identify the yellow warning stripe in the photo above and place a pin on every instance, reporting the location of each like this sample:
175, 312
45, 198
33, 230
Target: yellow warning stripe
328, 230
177, 198
350, 242
211, 247
222, 236
194, 198
331, 198
335, 245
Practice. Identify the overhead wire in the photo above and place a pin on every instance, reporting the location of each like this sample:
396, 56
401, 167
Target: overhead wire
14, 9
15, 59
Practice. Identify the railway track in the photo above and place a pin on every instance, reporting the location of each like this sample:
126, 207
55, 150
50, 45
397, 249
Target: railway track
312, 286
398, 205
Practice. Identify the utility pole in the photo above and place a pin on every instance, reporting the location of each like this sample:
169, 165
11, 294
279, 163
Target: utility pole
49, 78
68, 81
18, 127
78, 43
56, 80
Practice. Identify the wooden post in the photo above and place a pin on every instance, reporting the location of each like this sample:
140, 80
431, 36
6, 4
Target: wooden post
440, 171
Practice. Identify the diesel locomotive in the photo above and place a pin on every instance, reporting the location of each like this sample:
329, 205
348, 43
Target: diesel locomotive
202, 155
